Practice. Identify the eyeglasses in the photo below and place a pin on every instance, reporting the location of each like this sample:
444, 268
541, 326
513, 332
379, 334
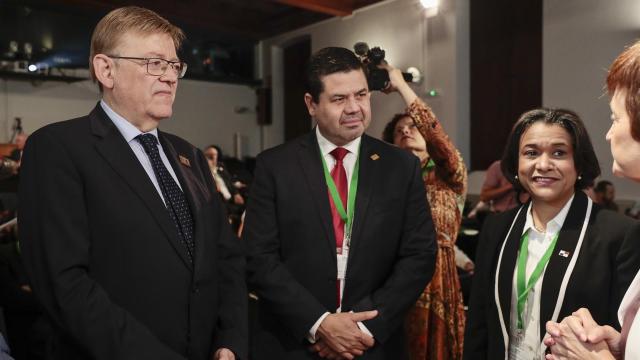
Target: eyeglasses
157, 66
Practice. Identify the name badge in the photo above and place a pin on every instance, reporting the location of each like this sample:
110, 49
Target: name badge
342, 266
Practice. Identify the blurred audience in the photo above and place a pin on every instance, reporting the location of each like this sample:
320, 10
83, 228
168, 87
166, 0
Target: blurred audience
605, 195
227, 184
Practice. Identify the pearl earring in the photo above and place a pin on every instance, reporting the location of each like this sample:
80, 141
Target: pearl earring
579, 177
516, 177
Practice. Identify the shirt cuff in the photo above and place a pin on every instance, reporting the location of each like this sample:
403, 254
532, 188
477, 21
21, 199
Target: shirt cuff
364, 329
311, 337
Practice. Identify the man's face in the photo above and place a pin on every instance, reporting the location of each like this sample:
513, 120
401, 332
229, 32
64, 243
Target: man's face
212, 156
139, 97
609, 193
343, 110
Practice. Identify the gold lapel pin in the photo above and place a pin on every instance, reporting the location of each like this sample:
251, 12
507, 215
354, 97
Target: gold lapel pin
184, 161
375, 157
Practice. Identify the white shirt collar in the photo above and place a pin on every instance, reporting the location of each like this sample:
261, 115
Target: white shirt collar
327, 146
554, 225
128, 131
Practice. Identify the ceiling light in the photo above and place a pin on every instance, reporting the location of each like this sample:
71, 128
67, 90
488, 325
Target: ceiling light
430, 4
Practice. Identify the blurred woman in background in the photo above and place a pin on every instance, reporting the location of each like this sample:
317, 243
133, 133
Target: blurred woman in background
435, 325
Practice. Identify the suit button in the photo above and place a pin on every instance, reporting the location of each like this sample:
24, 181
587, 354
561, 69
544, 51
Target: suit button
196, 290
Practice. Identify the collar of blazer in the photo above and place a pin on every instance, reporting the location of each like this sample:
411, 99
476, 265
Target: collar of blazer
557, 273
115, 150
370, 169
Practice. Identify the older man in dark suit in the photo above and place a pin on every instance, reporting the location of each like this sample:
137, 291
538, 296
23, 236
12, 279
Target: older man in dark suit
340, 239
124, 239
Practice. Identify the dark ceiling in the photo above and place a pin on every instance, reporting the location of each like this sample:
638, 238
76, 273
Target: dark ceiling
221, 34
242, 20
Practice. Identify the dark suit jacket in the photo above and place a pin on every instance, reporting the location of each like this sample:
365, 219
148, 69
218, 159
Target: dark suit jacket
292, 248
607, 261
103, 255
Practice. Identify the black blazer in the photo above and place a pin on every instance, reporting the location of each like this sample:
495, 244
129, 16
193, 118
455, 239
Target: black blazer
103, 255
292, 252
607, 261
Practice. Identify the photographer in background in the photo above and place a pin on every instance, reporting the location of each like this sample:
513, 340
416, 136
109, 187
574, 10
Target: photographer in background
435, 324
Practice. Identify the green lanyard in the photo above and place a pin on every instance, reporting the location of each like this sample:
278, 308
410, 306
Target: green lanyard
337, 200
428, 167
523, 289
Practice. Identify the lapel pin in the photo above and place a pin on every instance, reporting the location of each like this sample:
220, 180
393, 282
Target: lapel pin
564, 253
375, 157
184, 161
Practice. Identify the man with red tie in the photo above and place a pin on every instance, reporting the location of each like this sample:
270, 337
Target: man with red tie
339, 237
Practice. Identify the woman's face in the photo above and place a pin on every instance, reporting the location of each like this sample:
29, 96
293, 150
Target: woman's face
624, 148
407, 136
545, 164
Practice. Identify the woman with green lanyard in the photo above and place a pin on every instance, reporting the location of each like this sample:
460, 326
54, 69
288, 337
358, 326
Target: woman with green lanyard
435, 324
552, 255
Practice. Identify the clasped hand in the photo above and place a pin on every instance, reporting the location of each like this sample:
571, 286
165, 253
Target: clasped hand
339, 336
579, 337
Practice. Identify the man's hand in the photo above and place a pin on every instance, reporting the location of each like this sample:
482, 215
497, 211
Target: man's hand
340, 332
324, 351
238, 199
224, 354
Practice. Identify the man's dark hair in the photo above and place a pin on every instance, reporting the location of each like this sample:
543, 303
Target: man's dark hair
389, 129
584, 158
601, 187
328, 61
218, 149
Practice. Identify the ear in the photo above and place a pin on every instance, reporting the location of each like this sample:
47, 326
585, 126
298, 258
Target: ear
104, 69
311, 105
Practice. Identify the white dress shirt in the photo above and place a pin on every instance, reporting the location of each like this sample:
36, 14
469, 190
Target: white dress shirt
539, 242
349, 163
129, 132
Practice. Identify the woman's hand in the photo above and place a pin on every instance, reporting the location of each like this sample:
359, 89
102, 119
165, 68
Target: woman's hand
579, 337
397, 83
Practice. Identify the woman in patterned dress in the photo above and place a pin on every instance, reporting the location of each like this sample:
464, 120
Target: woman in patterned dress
435, 325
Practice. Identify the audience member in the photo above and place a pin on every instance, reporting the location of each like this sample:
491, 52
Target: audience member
605, 195
332, 268
549, 256
226, 186
497, 190
124, 241
20, 140
579, 336
435, 324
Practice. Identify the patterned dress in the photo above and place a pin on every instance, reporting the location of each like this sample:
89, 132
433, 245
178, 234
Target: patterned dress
435, 324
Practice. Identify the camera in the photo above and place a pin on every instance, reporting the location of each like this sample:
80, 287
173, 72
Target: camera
378, 79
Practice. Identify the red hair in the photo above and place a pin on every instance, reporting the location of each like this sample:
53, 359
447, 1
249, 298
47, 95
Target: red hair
624, 74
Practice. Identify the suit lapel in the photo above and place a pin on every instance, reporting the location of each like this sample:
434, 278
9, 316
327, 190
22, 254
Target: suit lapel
369, 171
311, 164
119, 155
507, 265
558, 264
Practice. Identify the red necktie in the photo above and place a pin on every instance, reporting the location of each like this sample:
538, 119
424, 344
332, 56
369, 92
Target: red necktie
339, 176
